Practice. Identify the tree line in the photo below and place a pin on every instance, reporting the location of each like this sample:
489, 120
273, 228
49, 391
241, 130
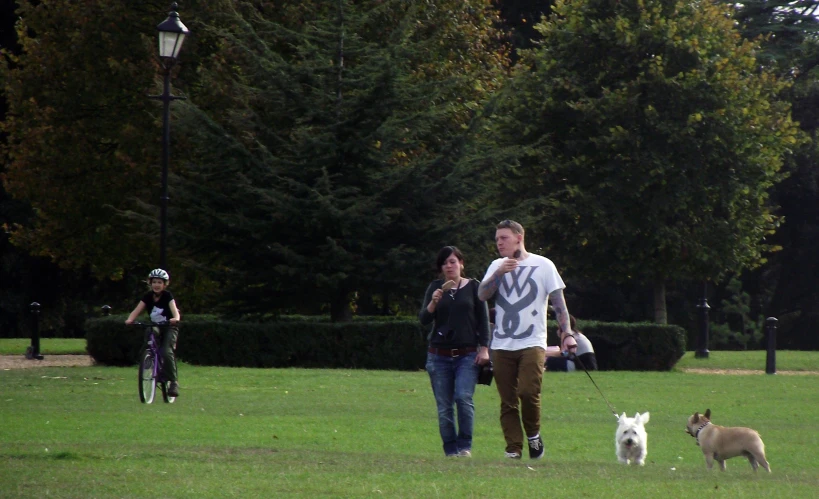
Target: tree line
326, 150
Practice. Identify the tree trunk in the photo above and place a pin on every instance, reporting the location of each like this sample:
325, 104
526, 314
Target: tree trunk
660, 312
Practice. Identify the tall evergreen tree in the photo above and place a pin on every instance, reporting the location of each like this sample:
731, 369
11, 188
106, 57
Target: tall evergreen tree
322, 142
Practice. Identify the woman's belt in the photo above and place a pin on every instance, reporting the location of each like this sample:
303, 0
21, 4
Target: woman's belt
452, 352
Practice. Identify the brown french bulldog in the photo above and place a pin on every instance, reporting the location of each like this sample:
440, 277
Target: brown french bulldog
719, 443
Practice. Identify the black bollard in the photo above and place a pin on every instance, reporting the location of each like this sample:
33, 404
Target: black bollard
702, 340
106, 310
33, 351
770, 359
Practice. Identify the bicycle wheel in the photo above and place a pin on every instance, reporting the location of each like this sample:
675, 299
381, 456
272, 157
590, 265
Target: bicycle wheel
147, 382
167, 398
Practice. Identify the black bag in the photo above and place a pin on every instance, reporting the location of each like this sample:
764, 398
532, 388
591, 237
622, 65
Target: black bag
485, 376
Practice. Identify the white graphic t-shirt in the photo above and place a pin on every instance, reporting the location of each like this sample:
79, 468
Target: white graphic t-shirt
520, 303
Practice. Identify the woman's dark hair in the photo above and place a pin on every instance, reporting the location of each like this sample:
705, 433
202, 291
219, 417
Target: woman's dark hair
445, 252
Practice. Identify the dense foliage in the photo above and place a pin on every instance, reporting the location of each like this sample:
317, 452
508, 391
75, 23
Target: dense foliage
327, 149
321, 141
652, 139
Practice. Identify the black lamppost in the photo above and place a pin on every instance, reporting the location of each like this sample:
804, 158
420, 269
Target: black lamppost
702, 340
171, 35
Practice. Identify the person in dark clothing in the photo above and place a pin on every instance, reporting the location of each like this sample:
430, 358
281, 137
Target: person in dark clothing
458, 347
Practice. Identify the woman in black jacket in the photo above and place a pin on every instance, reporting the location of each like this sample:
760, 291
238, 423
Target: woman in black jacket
458, 347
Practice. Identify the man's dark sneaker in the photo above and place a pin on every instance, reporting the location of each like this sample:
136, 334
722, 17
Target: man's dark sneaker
173, 390
535, 447
513, 455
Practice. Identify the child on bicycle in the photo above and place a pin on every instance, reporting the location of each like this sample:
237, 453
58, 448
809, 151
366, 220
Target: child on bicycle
162, 308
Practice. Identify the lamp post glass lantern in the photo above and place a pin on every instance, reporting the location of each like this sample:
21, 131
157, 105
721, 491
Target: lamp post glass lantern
172, 34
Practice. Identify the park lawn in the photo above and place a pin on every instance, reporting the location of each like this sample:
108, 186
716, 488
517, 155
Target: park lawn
48, 346
786, 360
81, 432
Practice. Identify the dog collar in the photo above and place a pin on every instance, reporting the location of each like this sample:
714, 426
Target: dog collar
697, 435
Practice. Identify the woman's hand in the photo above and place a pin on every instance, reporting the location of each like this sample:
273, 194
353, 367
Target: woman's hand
436, 297
482, 357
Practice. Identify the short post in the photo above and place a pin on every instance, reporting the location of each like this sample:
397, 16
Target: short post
33, 351
770, 359
106, 310
702, 340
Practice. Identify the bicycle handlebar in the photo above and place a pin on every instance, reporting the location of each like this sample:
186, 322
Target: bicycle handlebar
150, 324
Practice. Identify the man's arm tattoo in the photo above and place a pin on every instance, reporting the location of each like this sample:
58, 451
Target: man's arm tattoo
561, 311
488, 287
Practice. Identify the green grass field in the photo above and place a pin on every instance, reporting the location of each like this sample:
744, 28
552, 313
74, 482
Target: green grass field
786, 360
81, 432
48, 346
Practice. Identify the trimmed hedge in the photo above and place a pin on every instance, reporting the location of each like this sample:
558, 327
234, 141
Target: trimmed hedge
375, 344
109, 341
621, 346
366, 345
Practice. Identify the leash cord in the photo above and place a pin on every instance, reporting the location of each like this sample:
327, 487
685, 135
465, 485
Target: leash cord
577, 359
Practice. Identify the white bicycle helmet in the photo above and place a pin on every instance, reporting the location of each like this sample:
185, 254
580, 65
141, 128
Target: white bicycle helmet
158, 274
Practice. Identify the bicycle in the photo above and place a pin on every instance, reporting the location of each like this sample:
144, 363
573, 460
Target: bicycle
151, 364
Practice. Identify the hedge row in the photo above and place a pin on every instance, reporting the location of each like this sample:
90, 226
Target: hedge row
367, 345
621, 346
375, 344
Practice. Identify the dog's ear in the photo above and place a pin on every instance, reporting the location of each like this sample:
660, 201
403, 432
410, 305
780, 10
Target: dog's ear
696, 417
707, 413
621, 417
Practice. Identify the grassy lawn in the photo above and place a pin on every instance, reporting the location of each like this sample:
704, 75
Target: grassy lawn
48, 346
786, 360
81, 432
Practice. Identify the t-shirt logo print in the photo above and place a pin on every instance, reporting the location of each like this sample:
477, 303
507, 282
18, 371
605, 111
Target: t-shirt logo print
158, 314
511, 310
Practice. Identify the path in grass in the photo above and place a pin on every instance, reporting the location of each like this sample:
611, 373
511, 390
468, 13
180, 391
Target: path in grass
21, 362
705, 370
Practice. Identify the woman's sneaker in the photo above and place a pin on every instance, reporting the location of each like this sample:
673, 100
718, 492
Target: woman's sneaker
535, 447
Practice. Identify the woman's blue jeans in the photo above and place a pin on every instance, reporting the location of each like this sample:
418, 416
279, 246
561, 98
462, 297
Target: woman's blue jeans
453, 384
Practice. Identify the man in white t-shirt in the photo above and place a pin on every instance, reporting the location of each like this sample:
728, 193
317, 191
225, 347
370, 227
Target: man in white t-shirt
522, 284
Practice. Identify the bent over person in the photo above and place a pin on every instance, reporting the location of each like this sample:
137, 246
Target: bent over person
522, 284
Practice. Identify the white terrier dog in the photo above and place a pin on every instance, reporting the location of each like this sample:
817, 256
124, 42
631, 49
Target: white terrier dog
631, 441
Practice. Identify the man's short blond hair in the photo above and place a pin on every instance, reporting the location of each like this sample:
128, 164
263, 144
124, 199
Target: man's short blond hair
512, 225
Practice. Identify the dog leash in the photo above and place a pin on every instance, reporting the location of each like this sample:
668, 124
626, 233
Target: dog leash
577, 360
